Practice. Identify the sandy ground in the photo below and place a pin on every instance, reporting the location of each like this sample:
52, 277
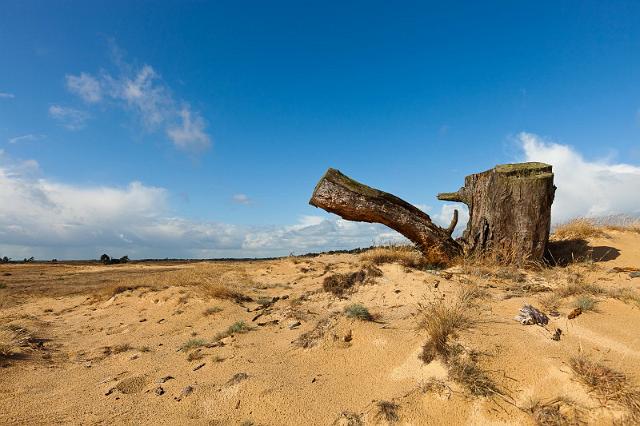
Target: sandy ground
106, 343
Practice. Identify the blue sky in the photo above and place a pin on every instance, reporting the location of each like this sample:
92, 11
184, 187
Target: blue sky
199, 129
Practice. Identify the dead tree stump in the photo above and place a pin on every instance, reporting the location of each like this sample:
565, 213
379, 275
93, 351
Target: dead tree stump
509, 210
337, 193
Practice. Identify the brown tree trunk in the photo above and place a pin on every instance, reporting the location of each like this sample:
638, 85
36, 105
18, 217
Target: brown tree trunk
509, 210
337, 193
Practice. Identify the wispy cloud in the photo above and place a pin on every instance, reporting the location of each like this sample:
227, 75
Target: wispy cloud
585, 188
143, 92
241, 199
25, 138
5, 95
70, 118
85, 86
190, 134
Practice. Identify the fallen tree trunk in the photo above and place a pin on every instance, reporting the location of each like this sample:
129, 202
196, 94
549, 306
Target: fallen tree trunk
509, 212
339, 194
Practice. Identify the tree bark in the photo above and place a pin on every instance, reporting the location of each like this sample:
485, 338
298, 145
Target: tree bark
509, 210
339, 194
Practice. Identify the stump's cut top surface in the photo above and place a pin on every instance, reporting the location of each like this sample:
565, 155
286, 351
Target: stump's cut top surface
525, 170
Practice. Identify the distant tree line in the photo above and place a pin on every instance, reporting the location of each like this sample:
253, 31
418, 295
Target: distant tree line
6, 259
108, 260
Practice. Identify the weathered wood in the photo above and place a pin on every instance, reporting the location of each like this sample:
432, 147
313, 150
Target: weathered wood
352, 200
509, 210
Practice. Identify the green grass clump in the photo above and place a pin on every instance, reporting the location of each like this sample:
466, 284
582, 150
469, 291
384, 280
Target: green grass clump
192, 344
586, 303
238, 327
358, 311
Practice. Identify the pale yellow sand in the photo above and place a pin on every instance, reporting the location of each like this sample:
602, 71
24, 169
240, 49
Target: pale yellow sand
78, 376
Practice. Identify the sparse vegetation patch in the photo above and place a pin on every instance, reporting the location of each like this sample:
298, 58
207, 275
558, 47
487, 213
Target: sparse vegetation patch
556, 412
441, 322
192, 344
578, 229
388, 411
226, 293
212, 310
607, 385
585, 303
358, 311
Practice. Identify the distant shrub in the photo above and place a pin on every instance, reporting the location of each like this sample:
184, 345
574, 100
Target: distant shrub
108, 260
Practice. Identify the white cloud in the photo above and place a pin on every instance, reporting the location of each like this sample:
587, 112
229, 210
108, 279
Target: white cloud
5, 95
48, 219
444, 216
190, 134
25, 138
143, 92
85, 86
70, 118
585, 188
241, 199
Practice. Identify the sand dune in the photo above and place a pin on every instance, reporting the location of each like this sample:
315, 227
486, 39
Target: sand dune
262, 343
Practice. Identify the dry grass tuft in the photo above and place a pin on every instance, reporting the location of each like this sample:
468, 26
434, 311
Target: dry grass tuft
441, 322
469, 295
607, 384
125, 347
464, 369
195, 355
212, 310
348, 418
339, 284
550, 302
578, 229
406, 255
115, 289
556, 412
578, 288
219, 291
311, 337
388, 411
437, 386
625, 294
12, 339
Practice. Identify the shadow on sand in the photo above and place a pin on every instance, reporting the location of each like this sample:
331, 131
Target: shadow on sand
562, 253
